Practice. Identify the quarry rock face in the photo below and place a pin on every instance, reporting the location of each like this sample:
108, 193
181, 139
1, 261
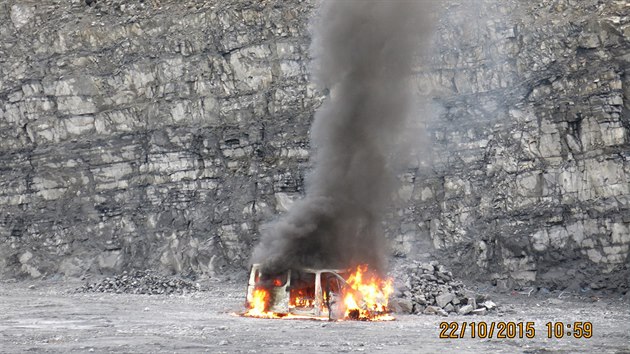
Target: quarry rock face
164, 134
147, 135
530, 145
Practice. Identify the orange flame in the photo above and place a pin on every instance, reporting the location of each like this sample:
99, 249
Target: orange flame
300, 298
258, 305
369, 296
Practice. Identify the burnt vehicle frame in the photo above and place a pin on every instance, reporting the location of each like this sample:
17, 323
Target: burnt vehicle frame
307, 292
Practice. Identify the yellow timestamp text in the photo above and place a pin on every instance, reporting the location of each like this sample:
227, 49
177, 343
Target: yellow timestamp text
512, 330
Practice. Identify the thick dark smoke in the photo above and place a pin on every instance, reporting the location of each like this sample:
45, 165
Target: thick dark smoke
363, 52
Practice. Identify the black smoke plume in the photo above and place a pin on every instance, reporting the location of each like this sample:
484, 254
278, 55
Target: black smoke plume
363, 52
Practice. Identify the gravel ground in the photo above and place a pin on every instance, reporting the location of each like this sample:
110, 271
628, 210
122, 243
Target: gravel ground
52, 317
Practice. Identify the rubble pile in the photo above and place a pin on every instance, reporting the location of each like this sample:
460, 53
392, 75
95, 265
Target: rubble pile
429, 288
140, 282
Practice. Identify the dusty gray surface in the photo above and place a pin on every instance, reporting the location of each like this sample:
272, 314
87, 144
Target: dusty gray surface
45, 317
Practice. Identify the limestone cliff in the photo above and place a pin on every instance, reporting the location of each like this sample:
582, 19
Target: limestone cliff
163, 134
530, 172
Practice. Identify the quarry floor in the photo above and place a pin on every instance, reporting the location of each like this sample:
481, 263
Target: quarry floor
48, 317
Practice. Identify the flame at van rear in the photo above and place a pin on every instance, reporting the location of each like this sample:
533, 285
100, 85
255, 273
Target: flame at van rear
370, 296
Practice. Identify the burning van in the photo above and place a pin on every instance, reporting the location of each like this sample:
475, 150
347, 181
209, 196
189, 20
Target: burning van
329, 294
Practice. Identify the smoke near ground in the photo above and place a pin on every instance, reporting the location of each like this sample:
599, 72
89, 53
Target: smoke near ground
362, 53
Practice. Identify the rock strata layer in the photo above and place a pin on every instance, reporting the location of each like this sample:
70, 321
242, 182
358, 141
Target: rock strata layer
163, 134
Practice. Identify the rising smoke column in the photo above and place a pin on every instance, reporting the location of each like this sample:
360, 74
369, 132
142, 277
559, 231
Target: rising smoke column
363, 52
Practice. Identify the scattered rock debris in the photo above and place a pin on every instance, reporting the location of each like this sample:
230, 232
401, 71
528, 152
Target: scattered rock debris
429, 288
140, 282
